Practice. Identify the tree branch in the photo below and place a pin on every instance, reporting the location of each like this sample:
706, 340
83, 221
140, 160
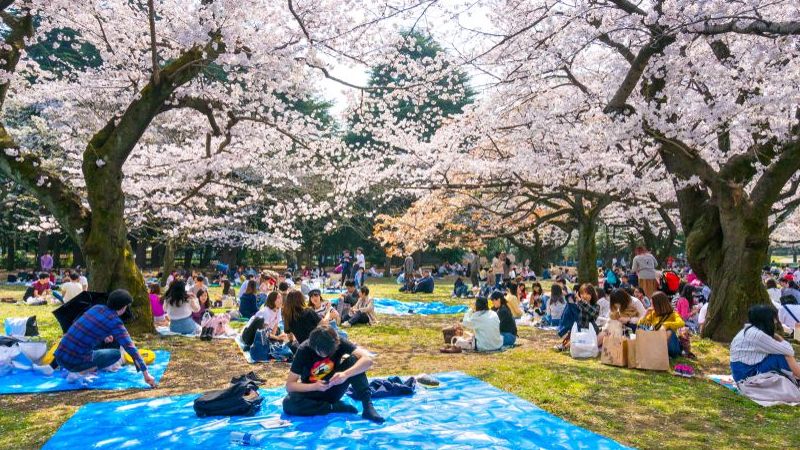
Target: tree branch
756, 27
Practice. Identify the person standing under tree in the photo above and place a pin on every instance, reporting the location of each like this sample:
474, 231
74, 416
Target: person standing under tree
346, 262
408, 268
46, 261
323, 368
644, 265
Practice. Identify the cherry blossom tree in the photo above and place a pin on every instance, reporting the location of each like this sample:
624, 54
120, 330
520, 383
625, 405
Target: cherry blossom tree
701, 89
186, 91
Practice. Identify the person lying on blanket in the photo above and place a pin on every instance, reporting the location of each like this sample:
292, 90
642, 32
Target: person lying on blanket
101, 323
323, 367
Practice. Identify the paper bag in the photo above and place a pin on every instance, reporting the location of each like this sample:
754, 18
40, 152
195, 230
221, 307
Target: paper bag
613, 352
630, 350
797, 332
651, 350
613, 328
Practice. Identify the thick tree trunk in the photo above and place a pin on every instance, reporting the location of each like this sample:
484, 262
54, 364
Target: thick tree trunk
205, 256
157, 255
77, 256
56, 244
187, 258
11, 252
726, 246
41, 248
168, 263
109, 256
587, 251
228, 256
141, 253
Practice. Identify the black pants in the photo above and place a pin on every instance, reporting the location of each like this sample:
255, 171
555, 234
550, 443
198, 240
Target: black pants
249, 332
357, 318
319, 403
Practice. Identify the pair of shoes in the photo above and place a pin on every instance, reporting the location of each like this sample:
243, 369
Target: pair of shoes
684, 370
207, 334
249, 377
450, 349
559, 348
345, 324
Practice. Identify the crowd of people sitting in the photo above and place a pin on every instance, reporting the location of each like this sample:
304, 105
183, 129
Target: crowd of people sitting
639, 298
295, 323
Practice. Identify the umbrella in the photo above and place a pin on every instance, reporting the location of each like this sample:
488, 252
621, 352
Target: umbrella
69, 312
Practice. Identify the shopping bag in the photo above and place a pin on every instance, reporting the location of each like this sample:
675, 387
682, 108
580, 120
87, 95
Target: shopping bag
583, 343
613, 328
613, 352
651, 350
630, 351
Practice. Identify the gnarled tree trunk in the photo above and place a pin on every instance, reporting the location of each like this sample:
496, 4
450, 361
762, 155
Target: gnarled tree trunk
587, 251
109, 256
726, 247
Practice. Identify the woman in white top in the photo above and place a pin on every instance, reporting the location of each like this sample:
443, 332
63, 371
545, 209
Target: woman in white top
267, 318
486, 325
758, 349
774, 293
789, 314
179, 307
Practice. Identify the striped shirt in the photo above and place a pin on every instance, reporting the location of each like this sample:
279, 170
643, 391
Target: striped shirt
89, 331
752, 345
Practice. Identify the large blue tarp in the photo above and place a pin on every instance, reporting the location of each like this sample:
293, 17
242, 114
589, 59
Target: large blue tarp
28, 382
463, 412
398, 308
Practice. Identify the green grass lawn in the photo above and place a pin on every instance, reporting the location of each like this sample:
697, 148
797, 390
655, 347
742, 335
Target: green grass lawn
637, 408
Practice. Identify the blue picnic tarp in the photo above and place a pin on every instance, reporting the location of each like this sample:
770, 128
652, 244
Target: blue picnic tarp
463, 412
29, 382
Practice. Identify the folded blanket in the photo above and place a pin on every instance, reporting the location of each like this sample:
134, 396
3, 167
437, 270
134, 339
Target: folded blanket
390, 387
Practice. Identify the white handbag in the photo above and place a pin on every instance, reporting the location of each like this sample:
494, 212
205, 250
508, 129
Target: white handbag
465, 342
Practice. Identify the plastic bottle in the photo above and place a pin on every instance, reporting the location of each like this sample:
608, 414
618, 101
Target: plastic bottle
206, 318
245, 439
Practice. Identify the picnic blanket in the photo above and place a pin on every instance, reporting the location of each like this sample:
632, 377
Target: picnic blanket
463, 412
165, 331
28, 382
398, 308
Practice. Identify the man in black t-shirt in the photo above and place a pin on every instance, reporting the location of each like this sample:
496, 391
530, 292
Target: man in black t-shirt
322, 369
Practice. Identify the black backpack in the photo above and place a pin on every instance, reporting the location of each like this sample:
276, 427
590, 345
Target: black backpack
230, 401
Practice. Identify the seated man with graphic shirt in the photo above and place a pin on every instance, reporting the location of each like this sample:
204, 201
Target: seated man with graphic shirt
323, 367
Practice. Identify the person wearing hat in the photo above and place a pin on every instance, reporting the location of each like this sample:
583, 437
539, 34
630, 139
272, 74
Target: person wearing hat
77, 352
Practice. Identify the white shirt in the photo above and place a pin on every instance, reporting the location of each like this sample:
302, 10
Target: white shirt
71, 289
639, 306
786, 318
701, 316
487, 329
751, 346
775, 296
84, 282
605, 311
360, 260
271, 318
183, 311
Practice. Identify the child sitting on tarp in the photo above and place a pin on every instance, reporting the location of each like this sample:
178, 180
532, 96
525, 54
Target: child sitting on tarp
101, 323
324, 367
